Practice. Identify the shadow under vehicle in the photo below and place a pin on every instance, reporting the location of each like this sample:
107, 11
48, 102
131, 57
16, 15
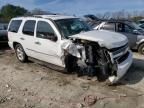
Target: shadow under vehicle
3, 34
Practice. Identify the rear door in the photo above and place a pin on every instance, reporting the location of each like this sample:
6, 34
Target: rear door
13, 31
128, 32
27, 37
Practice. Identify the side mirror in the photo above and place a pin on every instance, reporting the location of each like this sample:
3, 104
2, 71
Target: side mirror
54, 38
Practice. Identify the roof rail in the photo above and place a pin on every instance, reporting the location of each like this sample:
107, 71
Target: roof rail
37, 15
115, 20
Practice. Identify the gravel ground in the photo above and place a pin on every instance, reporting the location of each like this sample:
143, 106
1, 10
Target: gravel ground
31, 85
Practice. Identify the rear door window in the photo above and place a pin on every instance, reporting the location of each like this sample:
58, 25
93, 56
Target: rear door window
14, 26
29, 27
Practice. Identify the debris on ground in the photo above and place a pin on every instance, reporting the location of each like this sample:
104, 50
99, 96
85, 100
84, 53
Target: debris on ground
79, 105
90, 100
7, 86
25, 99
9, 90
3, 99
24, 89
9, 97
85, 86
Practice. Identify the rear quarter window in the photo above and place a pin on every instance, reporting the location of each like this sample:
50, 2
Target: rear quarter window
14, 26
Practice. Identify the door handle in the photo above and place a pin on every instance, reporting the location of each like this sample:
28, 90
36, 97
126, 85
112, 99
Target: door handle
38, 43
22, 39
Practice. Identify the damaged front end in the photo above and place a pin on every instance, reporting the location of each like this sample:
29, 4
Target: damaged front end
89, 58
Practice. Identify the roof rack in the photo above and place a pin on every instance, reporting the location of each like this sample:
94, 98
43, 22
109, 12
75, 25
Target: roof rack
117, 20
50, 16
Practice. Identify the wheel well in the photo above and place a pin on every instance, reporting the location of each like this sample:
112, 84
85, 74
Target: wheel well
140, 44
14, 44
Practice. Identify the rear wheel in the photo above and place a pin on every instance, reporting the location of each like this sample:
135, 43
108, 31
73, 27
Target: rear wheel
21, 55
141, 49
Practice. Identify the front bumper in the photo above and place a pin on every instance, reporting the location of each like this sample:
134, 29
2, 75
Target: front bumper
122, 68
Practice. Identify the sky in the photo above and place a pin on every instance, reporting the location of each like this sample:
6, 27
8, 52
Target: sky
78, 7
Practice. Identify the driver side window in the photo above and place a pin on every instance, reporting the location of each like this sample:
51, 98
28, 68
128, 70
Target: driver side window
45, 31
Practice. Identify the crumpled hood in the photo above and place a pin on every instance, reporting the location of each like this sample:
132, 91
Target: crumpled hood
105, 38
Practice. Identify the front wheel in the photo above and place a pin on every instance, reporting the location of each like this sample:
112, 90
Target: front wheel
141, 49
21, 55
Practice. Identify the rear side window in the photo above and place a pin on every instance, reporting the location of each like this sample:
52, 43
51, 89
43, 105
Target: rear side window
29, 27
14, 26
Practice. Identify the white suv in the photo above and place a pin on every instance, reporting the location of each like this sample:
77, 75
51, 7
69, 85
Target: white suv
66, 41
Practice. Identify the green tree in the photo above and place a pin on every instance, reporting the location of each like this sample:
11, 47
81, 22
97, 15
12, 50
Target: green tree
9, 11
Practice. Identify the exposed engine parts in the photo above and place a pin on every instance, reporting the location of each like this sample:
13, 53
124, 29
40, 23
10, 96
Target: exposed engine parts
88, 58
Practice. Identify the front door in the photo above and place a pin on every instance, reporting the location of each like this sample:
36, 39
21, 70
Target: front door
47, 43
128, 32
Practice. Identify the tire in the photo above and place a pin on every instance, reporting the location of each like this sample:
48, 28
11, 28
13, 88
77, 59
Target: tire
141, 49
20, 53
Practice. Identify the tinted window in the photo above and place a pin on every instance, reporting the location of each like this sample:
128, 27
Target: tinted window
14, 26
109, 26
29, 27
44, 30
124, 28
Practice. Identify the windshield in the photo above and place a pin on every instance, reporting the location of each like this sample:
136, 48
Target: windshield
73, 26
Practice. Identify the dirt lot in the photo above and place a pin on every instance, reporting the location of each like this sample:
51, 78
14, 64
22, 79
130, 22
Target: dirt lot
32, 85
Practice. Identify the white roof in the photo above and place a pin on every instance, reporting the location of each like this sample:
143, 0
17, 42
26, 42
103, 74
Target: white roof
55, 17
